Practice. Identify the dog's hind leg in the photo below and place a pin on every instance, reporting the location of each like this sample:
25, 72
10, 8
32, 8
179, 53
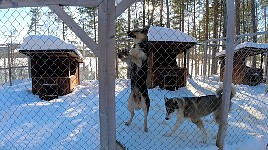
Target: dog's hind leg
200, 125
130, 108
179, 121
145, 111
217, 116
131, 117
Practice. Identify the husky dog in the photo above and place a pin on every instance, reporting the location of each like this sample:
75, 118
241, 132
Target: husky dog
138, 54
194, 108
139, 97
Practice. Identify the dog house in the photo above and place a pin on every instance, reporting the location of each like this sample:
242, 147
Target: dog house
54, 65
243, 74
164, 46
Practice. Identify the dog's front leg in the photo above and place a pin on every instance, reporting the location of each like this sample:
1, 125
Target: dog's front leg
137, 61
179, 121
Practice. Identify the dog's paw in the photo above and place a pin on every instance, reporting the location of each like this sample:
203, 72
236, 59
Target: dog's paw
127, 123
203, 141
146, 130
167, 134
138, 62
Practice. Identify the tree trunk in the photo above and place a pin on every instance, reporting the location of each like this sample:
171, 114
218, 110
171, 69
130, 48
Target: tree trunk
194, 62
254, 29
182, 15
237, 16
161, 13
207, 20
215, 35
224, 20
168, 19
152, 14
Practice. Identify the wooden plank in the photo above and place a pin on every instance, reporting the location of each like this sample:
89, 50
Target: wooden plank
106, 46
230, 40
41, 3
122, 6
75, 28
266, 66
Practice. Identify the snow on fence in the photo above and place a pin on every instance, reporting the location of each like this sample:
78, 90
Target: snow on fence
182, 62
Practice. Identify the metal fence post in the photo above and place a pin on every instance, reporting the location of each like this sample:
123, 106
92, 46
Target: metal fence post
228, 71
106, 46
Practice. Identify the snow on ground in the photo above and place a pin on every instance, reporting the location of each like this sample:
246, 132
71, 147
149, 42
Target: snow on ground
72, 121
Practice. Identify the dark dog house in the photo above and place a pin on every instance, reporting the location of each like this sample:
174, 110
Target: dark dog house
164, 46
242, 74
54, 65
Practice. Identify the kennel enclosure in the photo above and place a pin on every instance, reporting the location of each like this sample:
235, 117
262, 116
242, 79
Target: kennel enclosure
243, 74
164, 46
54, 65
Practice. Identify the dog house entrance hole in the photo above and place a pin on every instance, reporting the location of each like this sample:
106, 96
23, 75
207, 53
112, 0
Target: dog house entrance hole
170, 82
50, 91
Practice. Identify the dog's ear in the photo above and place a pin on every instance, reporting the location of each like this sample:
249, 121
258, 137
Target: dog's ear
166, 99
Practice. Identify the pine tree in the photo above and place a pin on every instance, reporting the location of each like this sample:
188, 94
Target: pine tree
34, 27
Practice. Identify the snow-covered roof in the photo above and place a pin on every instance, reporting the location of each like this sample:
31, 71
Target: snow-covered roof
248, 46
157, 33
47, 43
252, 45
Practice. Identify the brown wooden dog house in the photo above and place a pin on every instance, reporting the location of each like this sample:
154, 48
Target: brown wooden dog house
54, 65
164, 46
243, 74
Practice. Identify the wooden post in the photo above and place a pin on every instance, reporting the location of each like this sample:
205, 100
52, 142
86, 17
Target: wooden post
228, 70
106, 47
266, 74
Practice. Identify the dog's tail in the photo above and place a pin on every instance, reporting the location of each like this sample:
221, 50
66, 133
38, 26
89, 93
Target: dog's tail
219, 91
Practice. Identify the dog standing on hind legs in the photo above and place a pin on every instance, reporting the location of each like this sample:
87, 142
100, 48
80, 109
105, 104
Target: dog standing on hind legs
139, 97
194, 108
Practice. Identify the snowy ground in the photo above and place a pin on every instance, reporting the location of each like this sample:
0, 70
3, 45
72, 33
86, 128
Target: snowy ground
72, 121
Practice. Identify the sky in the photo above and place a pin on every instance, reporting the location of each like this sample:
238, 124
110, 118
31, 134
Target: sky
13, 19
16, 21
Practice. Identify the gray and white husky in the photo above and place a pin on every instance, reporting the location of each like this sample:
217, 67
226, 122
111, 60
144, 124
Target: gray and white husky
194, 108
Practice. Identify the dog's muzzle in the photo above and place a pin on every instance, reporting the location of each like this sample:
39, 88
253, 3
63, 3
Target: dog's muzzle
167, 118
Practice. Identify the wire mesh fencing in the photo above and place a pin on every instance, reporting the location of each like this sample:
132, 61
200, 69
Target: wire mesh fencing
49, 92
50, 83
186, 61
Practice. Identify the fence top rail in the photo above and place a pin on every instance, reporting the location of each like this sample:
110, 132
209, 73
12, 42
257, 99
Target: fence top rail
4, 4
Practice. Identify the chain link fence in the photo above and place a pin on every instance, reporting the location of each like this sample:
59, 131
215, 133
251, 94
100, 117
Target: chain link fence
49, 88
181, 68
49, 78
